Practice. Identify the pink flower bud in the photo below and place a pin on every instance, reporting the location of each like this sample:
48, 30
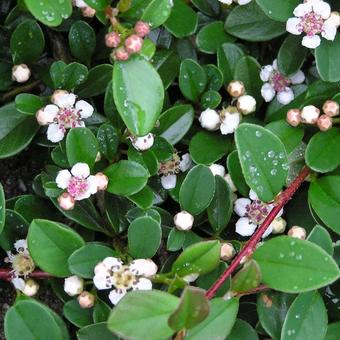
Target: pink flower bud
133, 43
297, 232
227, 251
236, 88
324, 122
142, 28
21, 73
294, 117
57, 94
331, 108
31, 288
86, 299
120, 54
102, 181
66, 201
88, 12
112, 39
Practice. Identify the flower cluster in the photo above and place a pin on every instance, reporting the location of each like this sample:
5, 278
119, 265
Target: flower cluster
86, 10
310, 114
79, 184
228, 119
65, 113
22, 265
111, 272
314, 18
275, 83
124, 47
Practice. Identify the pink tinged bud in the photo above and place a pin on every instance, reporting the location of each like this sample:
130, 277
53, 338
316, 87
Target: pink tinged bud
324, 122
227, 251
88, 12
112, 39
102, 181
331, 108
21, 73
236, 88
120, 54
66, 201
297, 232
294, 117
133, 43
42, 117
86, 299
31, 288
142, 28
57, 94
310, 114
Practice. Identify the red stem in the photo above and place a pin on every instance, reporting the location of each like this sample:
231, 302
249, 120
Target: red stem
247, 250
5, 274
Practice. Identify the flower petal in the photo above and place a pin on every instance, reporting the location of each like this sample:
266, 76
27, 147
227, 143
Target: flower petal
186, 162
253, 195
322, 8
18, 283
116, 295
245, 227
93, 184
65, 100
297, 78
268, 92
54, 133
86, 110
286, 96
102, 281
112, 263
311, 42
240, 206
292, 26
329, 32
302, 9
63, 179
142, 284
169, 181
143, 267
266, 72
80, 170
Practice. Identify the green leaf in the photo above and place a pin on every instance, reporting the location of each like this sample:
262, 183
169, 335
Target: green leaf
50, 12
81, 146
291, 55
279, 10
210, 99
141, 311
306, 318
175, 123
78, 316
138, 94
50, 245
175, 240
183, 20
98, 5
302, 265
83, 260
27, 42
197, 190
208, 7
221, 206
192, 79
322, 151
215, 77
82, 40
28, 103
31, 320
250, 23
333, 330
227, 57
248, 278
162, 149
327, 63
126, 178
72, 76
16, 131
108, 140
272, 308
211, 36
101, 311
235, 172
199, 258
97, 330
219, 323
2, 208
157, 12
320, 236
192, 309
148, 230
242, 330
207, 147
263, 160
324, 197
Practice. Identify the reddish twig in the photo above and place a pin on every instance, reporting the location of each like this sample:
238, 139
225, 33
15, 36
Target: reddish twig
258, 289
247, 250
5, 274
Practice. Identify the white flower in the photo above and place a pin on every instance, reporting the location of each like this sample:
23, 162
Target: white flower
246, 104
183, 221
217, 169
73, 285
78, 183
314, 18
230, 119
143, 143
172, 167
210, 120
113, 273
252, 213
21, 73
275, 83
65, 113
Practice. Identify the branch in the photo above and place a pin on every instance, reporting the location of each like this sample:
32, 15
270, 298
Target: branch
6, 275
19, 89
249, 247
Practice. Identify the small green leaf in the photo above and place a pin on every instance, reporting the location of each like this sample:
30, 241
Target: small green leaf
175, 240
157, 12
242, 330
108, 139
28, 103
78, 316
279, 10
248, 278
235, 172
210, 99
333, 330
320, 236
97, 330
98, 5
263, 160
197, 190
302, 265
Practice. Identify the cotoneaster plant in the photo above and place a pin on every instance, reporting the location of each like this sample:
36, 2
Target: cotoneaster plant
188, 182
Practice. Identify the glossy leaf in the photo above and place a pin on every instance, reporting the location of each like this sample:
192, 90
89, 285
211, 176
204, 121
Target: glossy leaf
320, 236
248, 278
157, 12
278, 10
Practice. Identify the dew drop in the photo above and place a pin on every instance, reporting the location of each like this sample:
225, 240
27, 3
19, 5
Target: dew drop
258, 133
271, 154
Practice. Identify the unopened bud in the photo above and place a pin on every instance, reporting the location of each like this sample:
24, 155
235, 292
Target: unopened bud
133, 44
102, 181
297, 232
331, 108
86, 299
21, 73
143, 143
31, 288
183, 221
236, 88
209, 120
120, 54
88, 12
246, 104
310, 114
278, 225
324, 122
217, 169
57, 94
294, 117
73, 285
112, 39
227, 251
66, 201
142, 28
